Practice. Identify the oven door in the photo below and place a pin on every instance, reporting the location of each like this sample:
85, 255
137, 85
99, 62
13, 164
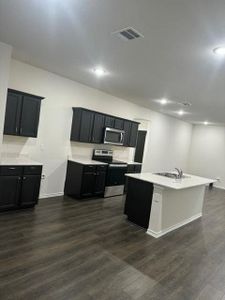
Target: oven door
113, 136
116, 175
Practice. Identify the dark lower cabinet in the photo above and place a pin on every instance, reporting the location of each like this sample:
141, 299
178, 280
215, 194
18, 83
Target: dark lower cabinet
99, 188
88, 182
22, 114
138, 202
30, 190
9, 192
18, 188
83, 181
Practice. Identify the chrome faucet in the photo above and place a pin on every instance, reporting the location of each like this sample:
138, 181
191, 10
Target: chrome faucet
180, 173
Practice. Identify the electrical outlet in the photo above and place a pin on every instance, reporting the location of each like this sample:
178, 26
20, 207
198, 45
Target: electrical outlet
43, 176
218, 178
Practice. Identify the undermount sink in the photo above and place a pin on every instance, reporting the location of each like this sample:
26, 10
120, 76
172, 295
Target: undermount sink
171, 175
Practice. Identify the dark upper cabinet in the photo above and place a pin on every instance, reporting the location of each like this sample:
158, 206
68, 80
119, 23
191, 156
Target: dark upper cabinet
86, 124
22, 114
30, 190
82, 125
133, 134
88, 127
9, 191
30, 116
109, 121
98, 128
119, 124
13, 113
127, 129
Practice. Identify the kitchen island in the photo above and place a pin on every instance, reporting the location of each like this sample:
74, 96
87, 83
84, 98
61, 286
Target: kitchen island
161, 204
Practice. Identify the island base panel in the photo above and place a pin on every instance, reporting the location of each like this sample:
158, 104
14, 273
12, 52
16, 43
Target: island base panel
138, 202
172, 209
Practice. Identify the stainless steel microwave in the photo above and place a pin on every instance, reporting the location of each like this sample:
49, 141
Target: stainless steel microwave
114, 136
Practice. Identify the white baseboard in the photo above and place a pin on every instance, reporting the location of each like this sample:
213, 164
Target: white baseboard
43, 196
176, 226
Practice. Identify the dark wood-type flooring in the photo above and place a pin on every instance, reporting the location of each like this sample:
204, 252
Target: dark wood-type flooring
66, 249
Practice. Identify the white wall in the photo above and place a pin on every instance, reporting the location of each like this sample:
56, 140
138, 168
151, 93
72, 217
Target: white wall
5, 57
168, 139
207, 152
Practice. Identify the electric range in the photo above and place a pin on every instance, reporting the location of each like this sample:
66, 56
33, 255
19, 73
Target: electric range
115, 179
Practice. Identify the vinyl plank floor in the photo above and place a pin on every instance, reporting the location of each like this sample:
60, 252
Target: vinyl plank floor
86, 250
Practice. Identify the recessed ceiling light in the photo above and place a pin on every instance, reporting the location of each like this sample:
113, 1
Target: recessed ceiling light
163, 101
180, 112
206, 123
219, 51
99, 71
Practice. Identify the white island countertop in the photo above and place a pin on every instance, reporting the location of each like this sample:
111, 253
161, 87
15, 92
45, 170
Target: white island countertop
18, 161
177, 184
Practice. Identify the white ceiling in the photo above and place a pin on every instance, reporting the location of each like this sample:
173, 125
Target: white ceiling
173, 60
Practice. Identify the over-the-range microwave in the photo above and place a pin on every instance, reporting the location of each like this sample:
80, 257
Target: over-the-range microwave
114, 136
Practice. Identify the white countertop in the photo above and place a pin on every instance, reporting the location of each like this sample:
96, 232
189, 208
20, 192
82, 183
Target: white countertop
18, 161
131, 162
176, 184
86, 161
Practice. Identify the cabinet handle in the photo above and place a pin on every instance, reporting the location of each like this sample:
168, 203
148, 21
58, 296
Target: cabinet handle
12, 168
24, 178
16, 129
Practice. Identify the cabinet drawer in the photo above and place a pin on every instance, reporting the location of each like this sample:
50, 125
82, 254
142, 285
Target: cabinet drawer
32, 170
11, 170
89, 168
102, 168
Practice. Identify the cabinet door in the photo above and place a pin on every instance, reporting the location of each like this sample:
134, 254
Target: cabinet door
109, 122
12, 114
100, 183
119, 124
133, 135
86, 126
137, 168
30, 116
75, 129
88, 184
30, 190
127, 129
98, 128
9, 191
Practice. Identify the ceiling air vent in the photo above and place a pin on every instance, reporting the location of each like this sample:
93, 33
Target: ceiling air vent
128, 34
